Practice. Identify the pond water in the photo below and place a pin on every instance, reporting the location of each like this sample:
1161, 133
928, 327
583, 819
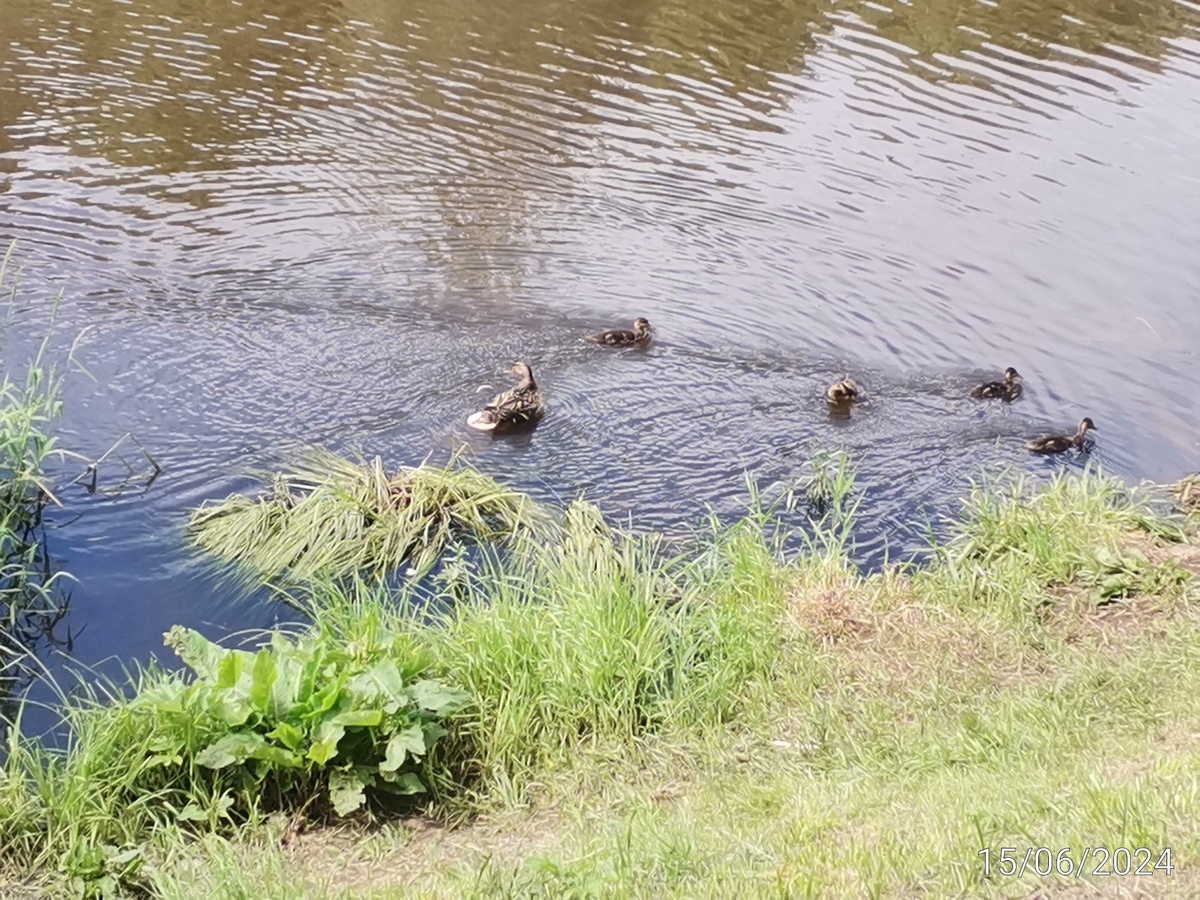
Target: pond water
284, 224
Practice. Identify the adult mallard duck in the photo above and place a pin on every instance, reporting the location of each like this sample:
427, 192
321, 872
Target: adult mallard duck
1057, 443
618, 337
842, 391
1007, 390
523, 405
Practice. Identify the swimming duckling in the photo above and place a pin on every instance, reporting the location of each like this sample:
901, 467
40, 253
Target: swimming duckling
1056, 443
844, 391
523, 405
623, 336
1007, 390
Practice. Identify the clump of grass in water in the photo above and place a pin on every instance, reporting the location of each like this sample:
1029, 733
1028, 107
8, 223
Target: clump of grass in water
329, 516
25, 411
831, 500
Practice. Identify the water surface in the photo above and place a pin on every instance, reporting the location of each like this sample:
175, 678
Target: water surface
285, 224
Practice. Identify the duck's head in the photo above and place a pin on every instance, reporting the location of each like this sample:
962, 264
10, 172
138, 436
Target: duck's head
1011, 375
1086, 425
640, 325
521, 369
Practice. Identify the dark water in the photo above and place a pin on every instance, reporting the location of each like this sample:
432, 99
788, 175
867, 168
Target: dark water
331, 223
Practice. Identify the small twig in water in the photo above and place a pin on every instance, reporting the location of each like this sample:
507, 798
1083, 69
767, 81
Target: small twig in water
151, 459
92, 471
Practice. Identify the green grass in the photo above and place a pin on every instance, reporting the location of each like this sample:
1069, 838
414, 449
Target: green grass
860, 736
596, 637
30, 601
715, 718
81, 816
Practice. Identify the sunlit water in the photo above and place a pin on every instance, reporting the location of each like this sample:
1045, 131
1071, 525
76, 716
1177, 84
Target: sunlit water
285, 224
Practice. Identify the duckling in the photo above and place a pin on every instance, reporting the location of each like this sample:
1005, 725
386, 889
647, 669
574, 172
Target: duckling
523, 405
1056, 443
843, 391
623, 336
1007, 390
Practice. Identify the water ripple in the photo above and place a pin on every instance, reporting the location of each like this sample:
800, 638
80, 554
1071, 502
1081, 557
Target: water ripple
295, 227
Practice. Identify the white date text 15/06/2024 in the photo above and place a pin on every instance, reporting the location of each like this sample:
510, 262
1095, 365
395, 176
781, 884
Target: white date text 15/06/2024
1092, 862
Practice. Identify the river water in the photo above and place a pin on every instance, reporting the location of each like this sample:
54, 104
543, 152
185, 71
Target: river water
281, 224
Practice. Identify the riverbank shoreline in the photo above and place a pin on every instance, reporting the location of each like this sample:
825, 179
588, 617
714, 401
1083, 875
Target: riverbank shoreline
643, 723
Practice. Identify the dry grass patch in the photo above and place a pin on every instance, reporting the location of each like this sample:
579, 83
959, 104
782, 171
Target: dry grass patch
1079, 615
831, 614
880, 631
352, 862
1185, 554
1113, 628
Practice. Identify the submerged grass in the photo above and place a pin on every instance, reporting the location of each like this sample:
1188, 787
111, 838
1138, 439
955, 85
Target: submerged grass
329, 516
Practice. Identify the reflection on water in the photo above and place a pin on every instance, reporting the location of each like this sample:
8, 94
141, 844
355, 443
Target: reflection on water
336, 223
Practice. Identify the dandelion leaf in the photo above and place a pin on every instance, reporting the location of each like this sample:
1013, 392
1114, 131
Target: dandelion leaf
346, 790
288, 735
232, 748
262, 680
382, 682
324, 748
438, 698
360, 718
410, 741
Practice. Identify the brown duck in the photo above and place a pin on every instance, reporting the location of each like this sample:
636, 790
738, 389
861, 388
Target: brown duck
623, 337
842, 391
1007, 390
523, 405
1057, 443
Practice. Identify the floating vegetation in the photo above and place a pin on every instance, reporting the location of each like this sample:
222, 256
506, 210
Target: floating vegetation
329, 516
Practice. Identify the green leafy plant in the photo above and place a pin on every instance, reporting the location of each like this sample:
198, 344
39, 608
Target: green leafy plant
312, 712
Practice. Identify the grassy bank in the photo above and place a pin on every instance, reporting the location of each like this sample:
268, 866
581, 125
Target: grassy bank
1036, 685
634, 719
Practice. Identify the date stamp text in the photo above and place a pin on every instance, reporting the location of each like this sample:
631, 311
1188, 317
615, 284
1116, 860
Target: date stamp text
1086, 862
